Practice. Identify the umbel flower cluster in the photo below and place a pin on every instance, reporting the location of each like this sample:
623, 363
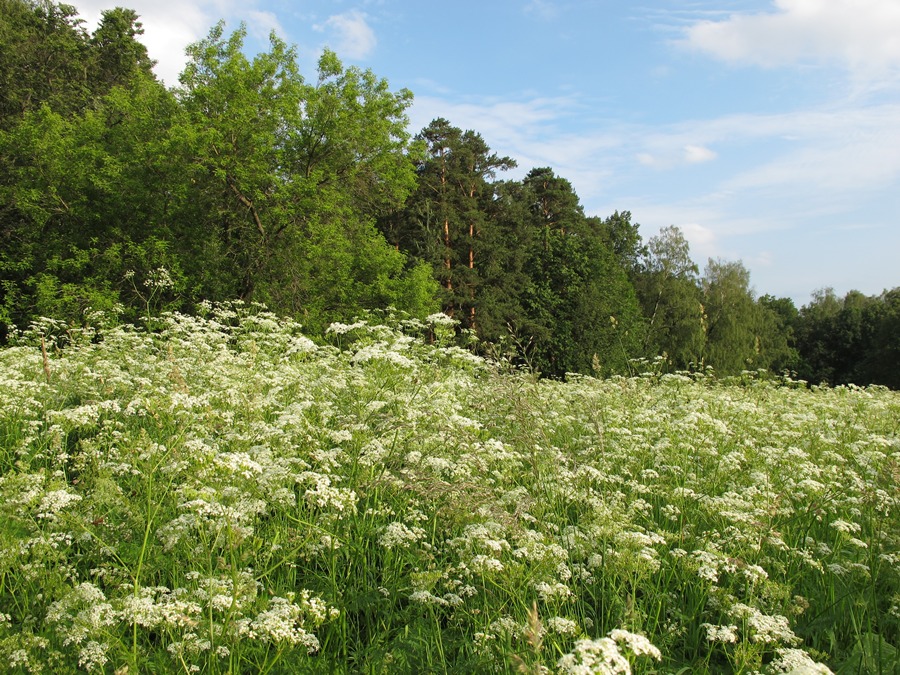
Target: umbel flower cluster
222, 494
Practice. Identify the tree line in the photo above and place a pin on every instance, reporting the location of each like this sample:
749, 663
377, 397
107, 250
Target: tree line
246, 180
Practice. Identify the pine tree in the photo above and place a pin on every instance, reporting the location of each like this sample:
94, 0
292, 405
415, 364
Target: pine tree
447, 221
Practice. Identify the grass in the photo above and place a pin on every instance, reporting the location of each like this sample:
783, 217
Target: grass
223, 495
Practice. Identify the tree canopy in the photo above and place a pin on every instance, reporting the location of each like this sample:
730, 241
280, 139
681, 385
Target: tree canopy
247, 181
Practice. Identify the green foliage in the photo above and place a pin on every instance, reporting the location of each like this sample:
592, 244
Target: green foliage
247, 181
519, 261
78, 201
853, 339
668, 287
118, 56
580, 310
871, 654
744, 333
715, 321
623, 238
45, 59
504, 265
48, 58
296, 174
579, 304
449, 222
778, 320
732, 342
83, 201
881, 364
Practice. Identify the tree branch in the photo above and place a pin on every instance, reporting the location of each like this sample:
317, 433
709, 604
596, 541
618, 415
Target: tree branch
249, 204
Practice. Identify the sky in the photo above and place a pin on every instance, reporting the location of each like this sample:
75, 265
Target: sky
767, 131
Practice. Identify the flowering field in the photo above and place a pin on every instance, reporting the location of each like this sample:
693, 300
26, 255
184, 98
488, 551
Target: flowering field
222, 495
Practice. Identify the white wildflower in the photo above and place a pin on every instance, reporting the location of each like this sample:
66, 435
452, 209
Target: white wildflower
92, 656
765, 628
837, 569
638, 644
283, 622
709, 565
427, 598
798, 662
563, 626
341, 328
239, 463
340, 435
671, 512
485, 564
54, 502
506, 626
600, 657
724, 634
19, 657
398, 535
755, 573
440, 319
548, 591
141, 609
844, 526
159, 278
324, 495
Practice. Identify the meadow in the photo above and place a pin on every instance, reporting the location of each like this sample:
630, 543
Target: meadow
221, 494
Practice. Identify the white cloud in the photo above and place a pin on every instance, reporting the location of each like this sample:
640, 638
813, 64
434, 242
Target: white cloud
862, 36
697, 154
761, 259
542, 9
261, 24
831, 152
771, 170
698, 234
171, 25
499, 121
712, 231
354, 38
528, 130
668, 151
703, 240
820, 157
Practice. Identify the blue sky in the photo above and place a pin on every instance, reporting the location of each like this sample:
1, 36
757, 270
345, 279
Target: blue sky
768, 131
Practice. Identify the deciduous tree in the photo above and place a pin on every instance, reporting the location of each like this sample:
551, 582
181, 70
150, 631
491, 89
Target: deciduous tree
668, 289
295, 174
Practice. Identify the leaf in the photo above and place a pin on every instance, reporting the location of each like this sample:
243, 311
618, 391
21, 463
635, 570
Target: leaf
871, 655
